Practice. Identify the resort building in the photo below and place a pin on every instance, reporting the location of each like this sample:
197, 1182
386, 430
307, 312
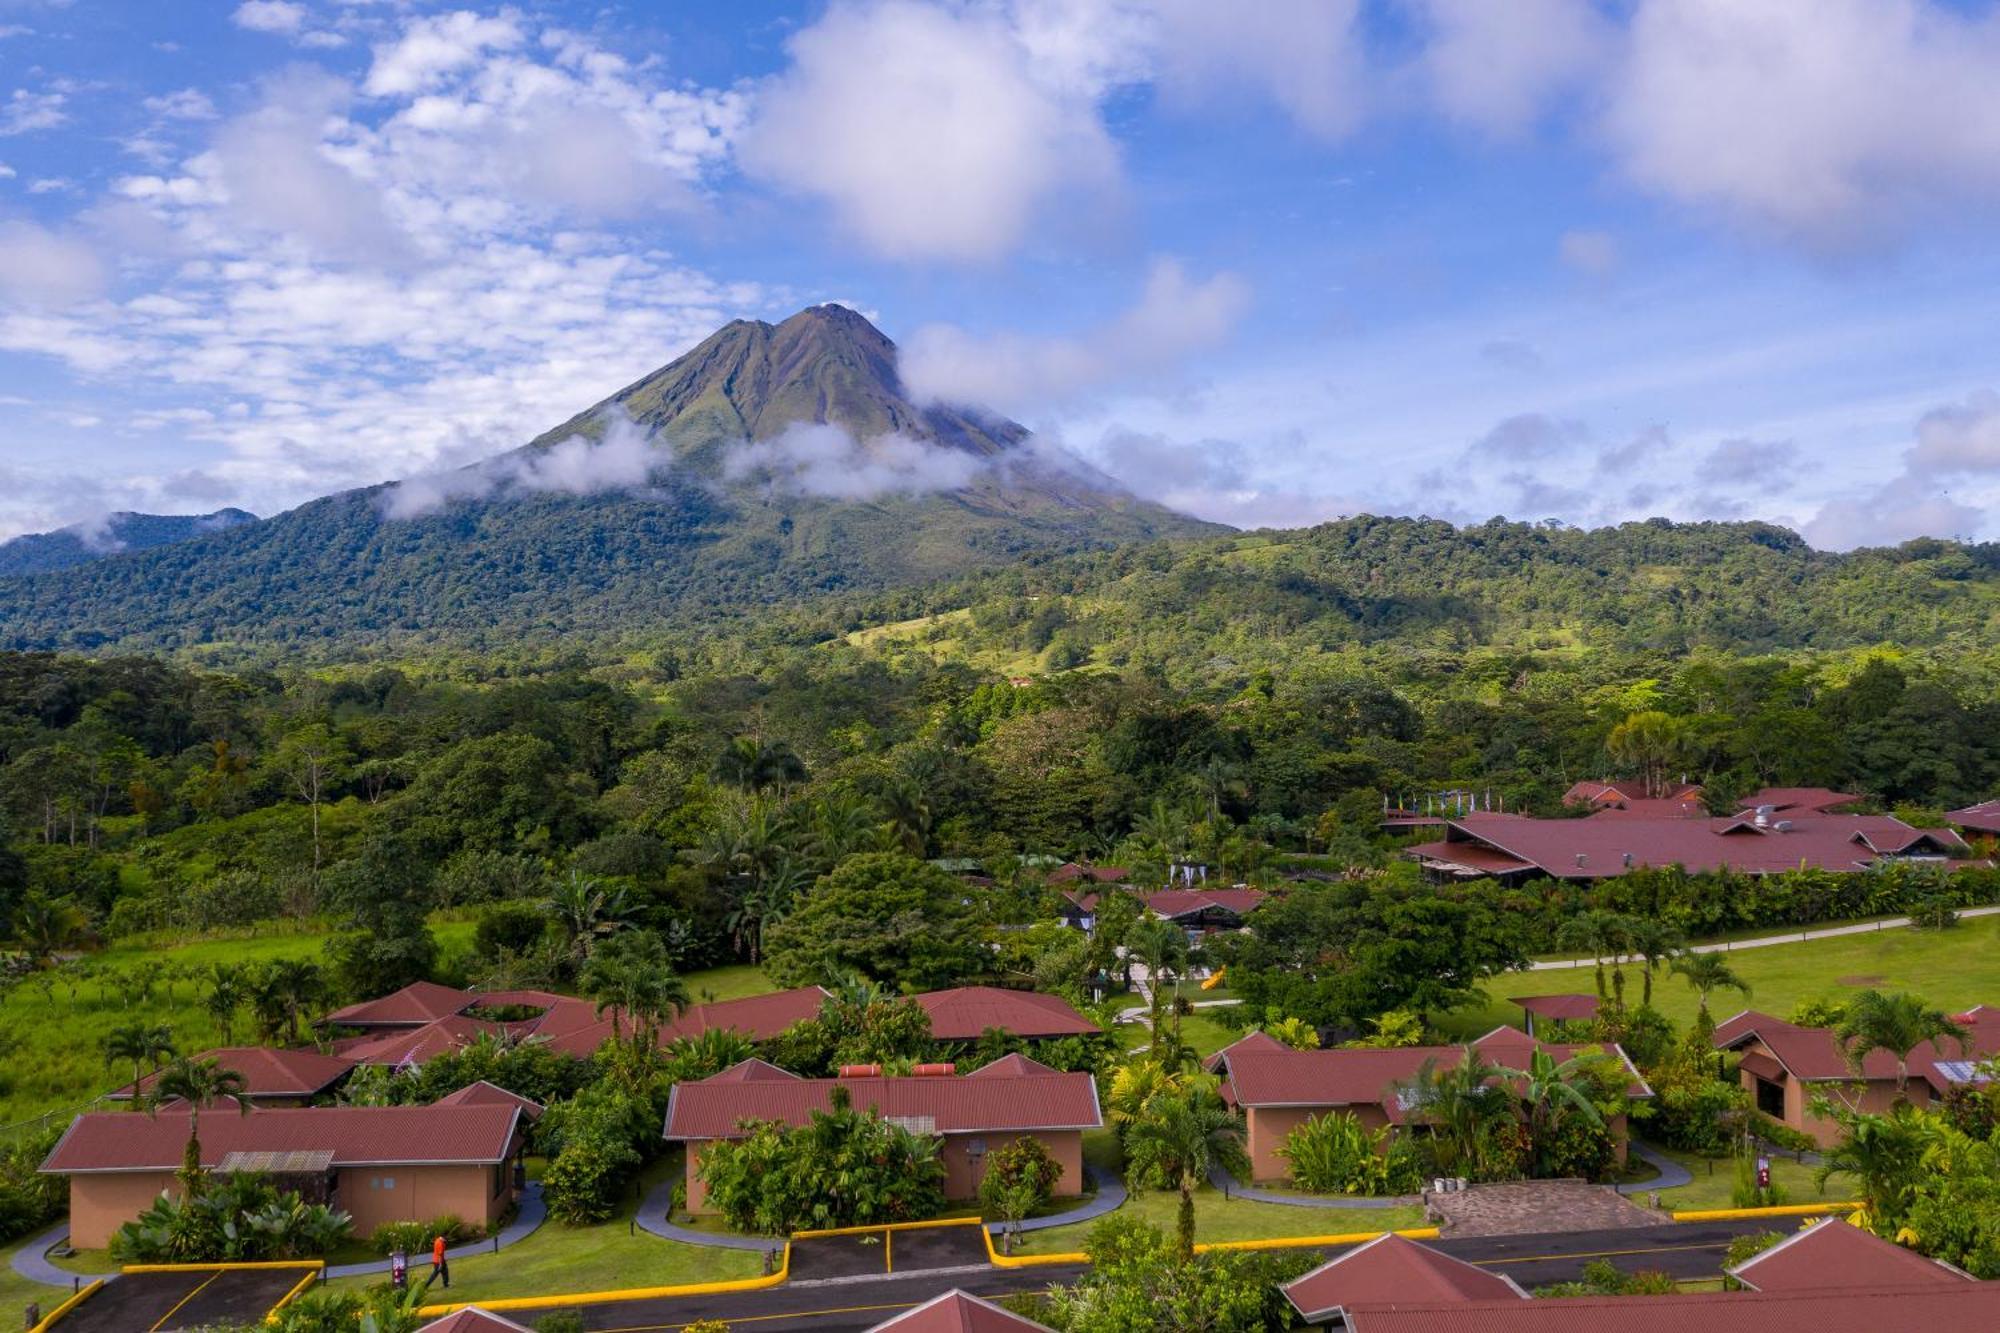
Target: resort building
958, 1312
271, 1077
1198, 911
973, 1114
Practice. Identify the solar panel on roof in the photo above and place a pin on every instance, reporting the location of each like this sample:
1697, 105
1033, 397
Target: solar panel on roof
295, 1162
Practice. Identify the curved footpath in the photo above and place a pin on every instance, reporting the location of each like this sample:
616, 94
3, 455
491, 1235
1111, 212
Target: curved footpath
31, 1260
654, 1220
1672, 1174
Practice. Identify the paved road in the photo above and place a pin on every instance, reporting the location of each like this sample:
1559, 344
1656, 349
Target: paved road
844, 1294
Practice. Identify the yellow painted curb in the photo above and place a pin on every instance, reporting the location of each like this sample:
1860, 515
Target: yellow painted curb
315, 1264
629, 1294
1780, 1210
49, 1320
298, 1290
1310, 1242
889, 1226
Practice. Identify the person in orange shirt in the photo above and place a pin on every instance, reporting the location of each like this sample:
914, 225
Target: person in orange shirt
440, 1270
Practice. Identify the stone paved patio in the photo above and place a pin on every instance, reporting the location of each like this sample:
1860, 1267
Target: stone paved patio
1521, 1206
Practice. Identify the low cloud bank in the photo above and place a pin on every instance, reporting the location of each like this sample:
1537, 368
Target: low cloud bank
623, 460
823, 460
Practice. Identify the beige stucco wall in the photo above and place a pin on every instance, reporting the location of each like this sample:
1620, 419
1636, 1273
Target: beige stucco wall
378, 1194
961, 1180
1268, 1127
100, 1204
1875, 1097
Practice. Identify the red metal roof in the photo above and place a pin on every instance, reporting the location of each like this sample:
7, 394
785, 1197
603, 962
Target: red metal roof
1012, 1066
714, 1108
483, 1093
1069, 872
472, 1319
1393, 1268
418, 1003
395, 1048
1562, 1008
1788, 800
1968, 1305
1600, 848
958, 1312
1814, 1055
1626, 792
1330, 1078
356, 1135
1475, 857
1173, 903
1836, 1253
268, 1071
964, 1012
573, 1026
1981, 818
1249, 1043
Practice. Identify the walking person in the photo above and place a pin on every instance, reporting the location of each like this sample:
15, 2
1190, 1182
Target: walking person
440, 1270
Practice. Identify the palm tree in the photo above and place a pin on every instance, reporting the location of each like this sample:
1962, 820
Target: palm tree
588, 910
1551, 1093
1655, 942
1707, 973
1651, 741
45, 926
1592, 933
1889, 1156
1163, 947
1897, 1023
906, 810
629, 977
142, 1044
1181, 1137
1465, 1107
226, 993
843, 823
201, 1084
754, 764
297, 984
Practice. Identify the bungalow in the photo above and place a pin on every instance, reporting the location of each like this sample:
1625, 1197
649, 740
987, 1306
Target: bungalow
1280, 1089
1830, 1278
1678, 797
271, 1077
1197, 911
1011, 1098
1983, 818
1782, 1065
380, 1163
1762, 841
1391, 1268
472, 1319
575, 1027
958, 1312
965, 1013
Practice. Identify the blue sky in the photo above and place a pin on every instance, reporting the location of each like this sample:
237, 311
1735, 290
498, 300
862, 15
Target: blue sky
1552, 259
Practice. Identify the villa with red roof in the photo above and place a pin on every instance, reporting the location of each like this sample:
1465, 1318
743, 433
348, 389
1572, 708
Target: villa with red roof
1782, 1065
1198, 911
1982, 818
1391, 1268
958, 1312
472, 1319
379, 1163
271, 1077
972, 1113
964, 1013
1279, 1088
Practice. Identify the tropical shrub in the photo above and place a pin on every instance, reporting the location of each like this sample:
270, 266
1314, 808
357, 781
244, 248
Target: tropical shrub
1603, 1278
416, 1237
1693, 1110
1020, 1177
1747, 1193
1336, 1154
1138, 1280
239, 1218
844, 1168
584, 1182
28, 1199
569, 1321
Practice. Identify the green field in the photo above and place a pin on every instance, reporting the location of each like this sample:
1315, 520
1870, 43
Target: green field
1955, 968
1217, 1219
1714, 1180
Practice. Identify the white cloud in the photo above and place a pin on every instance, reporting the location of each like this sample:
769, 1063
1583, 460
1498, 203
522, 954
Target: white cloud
431, 48
1833, 121
826, 461
283, 17
1303, 55
1959, 438
1176, 316
1496, 66
624, 459
1956, 445
185, 104
24, 112
1531, 436
39, 267
51, 185
925, 130
1891, 514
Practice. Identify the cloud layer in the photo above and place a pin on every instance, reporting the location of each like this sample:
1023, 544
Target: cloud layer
623, 459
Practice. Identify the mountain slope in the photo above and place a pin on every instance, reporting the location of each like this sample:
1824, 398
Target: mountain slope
81, 543
853, 508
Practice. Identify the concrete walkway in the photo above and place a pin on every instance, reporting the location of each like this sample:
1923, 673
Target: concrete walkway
1236, 1189
31, 1260
1767, 941
1672, 1174
532, 1214
1110, 1195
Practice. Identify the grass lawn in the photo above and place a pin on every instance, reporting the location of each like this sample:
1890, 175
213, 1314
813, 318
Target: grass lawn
1207, 1035
56, 1063
608, 1257
727, 983
1712, 1189
16, 1292
1955, 969
1217, 1219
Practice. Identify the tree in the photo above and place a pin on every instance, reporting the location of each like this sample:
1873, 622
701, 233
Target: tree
45, 926
889, 917
629, 977
1655, 942
313, 756
1888, 1156
1466, 1109
201, 1084
1598, 933
1182, 1136
226, 993
142, 1044
1707, 973
1163, 947
1553, 1093
754, 764
1895, 1022
1653, 742
587, 910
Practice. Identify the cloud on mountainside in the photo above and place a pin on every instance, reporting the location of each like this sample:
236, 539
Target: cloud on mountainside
818, 459
623, 460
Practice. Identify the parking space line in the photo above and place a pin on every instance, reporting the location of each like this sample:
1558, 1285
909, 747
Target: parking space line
184, 1300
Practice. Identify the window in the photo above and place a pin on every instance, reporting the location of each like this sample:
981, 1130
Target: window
1771, 1098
